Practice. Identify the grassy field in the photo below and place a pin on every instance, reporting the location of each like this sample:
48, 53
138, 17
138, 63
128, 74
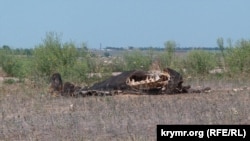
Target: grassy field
27, 112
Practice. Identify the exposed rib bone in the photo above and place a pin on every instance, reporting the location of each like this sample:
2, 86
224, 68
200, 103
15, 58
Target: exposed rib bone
155, 79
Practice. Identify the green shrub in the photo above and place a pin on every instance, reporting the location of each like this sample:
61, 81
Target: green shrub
11, 64
77, 73
165, 61
238, 58
136, 60
52, 56
200, 62
168, 56
9, 81
48, 56
118, 64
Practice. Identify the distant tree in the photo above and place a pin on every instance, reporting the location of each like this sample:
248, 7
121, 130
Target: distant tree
106, 54
6, 47
170, 47
229, 41
220, 43
151, 53
130, 47
83, 51
28, 52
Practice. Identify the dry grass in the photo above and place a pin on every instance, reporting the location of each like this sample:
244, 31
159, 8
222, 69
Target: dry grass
28, 113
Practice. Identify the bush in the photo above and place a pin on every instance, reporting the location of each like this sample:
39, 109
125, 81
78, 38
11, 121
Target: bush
164, 60
53, 56
9, 81
200, 62
48, 56
11, 64
136, 60
168, 55
118, 64
238, 59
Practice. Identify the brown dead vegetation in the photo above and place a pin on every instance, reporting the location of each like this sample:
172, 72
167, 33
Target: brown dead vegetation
32, 114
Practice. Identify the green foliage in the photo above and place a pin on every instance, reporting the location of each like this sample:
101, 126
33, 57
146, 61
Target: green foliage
11, 64
136, 60
170, 46
76, 63
69, 55
20, 51
238, 58
220, 43
167, 58
200, 62
47, 56
118, 64
96, 64
9, 81
6, 48
106, 54
77, 73
52, 56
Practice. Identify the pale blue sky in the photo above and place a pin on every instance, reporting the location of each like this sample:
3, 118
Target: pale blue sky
122, 23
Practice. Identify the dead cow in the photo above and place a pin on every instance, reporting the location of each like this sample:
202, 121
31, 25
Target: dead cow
167, 81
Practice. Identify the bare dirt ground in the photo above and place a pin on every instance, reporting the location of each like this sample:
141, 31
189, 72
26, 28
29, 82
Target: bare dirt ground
27, 112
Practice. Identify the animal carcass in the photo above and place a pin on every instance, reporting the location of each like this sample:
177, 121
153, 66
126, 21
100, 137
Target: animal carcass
167, 81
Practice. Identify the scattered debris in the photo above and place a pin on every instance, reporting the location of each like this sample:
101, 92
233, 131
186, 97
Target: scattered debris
240, 89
